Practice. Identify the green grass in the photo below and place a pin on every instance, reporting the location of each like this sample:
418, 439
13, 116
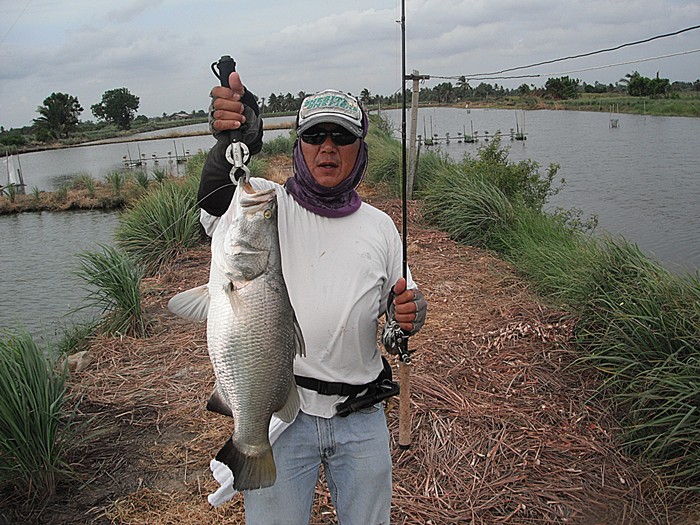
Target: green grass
280, 145
686, 105
76, 337
36, 433
472, 211
116, 180
113, 283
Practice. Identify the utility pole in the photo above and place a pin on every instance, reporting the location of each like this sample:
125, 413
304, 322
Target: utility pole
412, 157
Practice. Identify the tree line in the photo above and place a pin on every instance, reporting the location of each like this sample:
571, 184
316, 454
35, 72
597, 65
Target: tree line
59, 115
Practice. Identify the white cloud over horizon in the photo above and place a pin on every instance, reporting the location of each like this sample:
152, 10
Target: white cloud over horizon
161, 50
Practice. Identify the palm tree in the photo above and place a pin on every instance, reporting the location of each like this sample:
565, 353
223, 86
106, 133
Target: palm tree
59, 116
365, 96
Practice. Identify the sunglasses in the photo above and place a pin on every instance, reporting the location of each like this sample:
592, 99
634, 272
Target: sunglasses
339, 136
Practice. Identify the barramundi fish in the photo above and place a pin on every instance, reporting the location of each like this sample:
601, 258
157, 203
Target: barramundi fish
252, 333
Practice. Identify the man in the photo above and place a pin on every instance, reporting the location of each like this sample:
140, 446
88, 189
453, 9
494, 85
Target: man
341, 260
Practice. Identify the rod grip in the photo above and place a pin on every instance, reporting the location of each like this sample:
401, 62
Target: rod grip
404, 406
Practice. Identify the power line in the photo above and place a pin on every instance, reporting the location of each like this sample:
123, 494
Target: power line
15, 23
493, 75
538, 75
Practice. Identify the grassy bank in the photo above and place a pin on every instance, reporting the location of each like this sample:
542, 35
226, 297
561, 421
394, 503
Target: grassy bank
685, 105
119, 190
637, 324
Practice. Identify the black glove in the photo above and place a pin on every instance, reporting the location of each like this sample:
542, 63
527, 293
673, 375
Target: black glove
215, 187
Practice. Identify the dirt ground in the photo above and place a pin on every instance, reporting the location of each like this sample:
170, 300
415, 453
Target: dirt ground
504, 429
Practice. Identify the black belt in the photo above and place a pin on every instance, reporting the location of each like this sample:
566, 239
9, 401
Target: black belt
329, 388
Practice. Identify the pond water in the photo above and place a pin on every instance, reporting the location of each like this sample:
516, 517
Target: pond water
39, 290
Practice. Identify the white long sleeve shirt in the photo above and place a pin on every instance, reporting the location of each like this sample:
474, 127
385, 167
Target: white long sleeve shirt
338, 273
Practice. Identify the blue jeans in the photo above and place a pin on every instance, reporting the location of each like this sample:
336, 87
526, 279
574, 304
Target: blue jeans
354, 452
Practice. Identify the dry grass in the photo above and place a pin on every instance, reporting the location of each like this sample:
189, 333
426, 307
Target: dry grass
504, 430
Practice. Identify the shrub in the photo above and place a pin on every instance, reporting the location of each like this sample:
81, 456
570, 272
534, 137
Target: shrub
521, 181
113, 283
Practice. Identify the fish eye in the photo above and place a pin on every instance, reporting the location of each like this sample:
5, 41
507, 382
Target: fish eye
267, 214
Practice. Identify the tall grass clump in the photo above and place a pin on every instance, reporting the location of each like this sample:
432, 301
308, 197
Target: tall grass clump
555, 253
468, 207
76, 337
116, 180
61, 194
160, 175
84, 181
384, 161
258, 166
141, 178
113, 282
641, 330
161, 224
36, 433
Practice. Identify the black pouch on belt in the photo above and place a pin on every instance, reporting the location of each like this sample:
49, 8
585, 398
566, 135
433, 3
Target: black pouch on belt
381, 389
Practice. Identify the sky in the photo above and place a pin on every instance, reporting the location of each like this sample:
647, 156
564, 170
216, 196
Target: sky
162, 50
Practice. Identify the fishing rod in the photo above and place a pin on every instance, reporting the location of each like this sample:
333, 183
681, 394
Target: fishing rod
402, 342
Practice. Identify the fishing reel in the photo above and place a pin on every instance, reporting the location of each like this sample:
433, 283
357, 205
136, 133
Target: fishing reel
394, 339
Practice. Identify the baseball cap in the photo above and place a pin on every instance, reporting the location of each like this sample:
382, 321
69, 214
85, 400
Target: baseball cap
331, 106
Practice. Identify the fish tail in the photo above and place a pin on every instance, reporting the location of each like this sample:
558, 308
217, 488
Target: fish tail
252, 469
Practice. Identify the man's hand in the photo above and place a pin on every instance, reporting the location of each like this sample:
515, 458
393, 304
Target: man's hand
226, 111
409, 307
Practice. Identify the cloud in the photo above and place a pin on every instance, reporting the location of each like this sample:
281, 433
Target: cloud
161, 50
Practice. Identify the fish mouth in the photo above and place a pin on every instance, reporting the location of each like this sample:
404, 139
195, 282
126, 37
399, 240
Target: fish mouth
256, 199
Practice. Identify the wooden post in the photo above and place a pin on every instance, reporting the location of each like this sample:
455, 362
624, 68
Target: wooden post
412, 140
412, 157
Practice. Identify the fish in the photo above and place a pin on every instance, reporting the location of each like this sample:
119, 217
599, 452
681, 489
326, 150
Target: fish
253, 336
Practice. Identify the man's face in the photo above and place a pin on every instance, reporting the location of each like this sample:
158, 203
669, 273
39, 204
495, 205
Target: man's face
330, 163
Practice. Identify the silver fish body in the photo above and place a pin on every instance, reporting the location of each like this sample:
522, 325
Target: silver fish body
252, 334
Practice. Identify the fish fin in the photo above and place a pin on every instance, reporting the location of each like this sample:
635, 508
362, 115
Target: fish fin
299, 345
191, 304
233, 298
291, 407
218, 404
250, 470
